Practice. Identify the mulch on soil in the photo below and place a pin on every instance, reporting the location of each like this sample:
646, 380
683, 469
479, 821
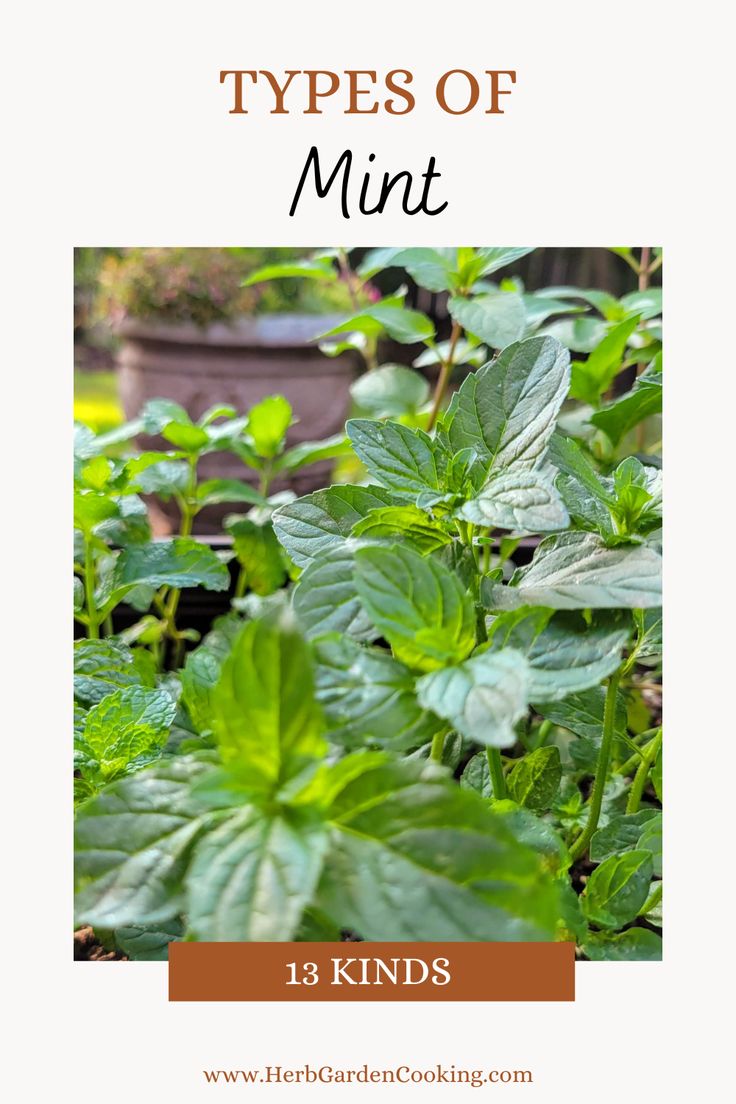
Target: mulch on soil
87, 948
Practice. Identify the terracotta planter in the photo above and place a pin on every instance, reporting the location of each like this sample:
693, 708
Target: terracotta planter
240, 364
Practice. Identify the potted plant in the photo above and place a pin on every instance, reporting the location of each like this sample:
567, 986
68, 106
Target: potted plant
192, 330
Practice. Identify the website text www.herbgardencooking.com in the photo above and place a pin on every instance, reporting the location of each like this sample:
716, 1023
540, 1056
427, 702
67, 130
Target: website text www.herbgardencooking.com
364, 1075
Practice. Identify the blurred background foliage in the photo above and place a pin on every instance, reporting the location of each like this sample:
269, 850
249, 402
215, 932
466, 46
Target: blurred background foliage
204, 286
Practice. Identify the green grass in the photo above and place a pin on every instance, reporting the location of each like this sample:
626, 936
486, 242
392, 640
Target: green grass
96, 400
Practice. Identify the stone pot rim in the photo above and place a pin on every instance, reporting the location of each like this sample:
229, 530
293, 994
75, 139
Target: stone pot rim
265, 331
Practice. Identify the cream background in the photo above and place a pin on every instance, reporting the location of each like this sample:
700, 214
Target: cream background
119, 134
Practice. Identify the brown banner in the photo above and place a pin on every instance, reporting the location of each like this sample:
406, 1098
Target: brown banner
371, 972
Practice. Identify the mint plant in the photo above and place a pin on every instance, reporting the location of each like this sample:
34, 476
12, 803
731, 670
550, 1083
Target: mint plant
261, 839
125, 712
487, 316
431, 713
433, 709
115, 558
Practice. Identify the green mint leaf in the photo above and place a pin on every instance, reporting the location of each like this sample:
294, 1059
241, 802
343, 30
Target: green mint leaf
312, 452
148, 942
507, 410
218, 410
433, 269
103, 666
482, 698
318, 268
638, 491
162, 478
190, 438
617, 889
477, 775
539, 308
587, 512
214, 491
390, 391
133, 844
323, 520
199, 676
620, 834
84, 442
494, 257
326, 596
229, 435
136, 465
497, 318
592, 377
629, 502
579, 335
131, 526
565, 652
403, 325
582, 713
264, 714
569, 655
534, 781
91, 508
159, 413
463, 352
253, 875
577, 571
435, 863
124, 731
96, 473
569, 458
646, 304
315, 927
405, 461
368, 697
407, 523
181, 562
522, 501
651, 910
651, 840
530, 829
258, 553
418, 604
634, 945
268, 422
350, 342
650, 629
324, 787
618, 418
